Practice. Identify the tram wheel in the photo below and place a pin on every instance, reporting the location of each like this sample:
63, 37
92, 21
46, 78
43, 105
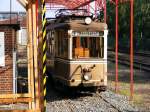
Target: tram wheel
101, 89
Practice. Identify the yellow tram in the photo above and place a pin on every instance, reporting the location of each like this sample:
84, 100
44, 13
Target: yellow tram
77, 51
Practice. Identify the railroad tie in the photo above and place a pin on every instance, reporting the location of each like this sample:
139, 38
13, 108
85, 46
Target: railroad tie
44, 50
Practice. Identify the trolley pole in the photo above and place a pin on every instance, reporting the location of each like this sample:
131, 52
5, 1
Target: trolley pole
116, 50
88, 9
44, 49
131, 49
95, 11
105, 11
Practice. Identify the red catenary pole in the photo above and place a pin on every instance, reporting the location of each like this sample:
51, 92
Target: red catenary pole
116, 50
131, 49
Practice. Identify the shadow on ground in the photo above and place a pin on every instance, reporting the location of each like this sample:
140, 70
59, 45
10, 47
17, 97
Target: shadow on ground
140, 76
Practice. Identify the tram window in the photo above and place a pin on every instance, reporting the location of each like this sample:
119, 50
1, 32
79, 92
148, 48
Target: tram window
62, 45
88, 47
50, 44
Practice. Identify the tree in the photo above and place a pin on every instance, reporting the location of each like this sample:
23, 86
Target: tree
141, 24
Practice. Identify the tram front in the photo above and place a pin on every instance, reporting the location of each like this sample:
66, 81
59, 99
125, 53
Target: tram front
87, 54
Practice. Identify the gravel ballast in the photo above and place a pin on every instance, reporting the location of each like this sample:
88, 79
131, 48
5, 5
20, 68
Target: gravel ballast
89, 103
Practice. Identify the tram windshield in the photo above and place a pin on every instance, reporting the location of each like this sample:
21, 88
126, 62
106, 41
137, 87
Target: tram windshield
88, 47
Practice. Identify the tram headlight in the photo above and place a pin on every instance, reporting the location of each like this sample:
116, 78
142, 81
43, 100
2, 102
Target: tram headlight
87, 76
88, 20
69, 32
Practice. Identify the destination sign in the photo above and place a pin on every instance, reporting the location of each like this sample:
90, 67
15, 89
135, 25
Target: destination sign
89, 34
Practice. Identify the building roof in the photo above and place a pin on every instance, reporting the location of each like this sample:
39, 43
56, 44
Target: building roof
23, 2
15, 18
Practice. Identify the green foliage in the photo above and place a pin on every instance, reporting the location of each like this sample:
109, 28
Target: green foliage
141, 24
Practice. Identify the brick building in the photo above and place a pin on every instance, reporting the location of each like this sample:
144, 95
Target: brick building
7, 57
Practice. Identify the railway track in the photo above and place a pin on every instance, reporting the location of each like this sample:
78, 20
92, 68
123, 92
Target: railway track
145, 54
108, 102
87, 102
141, 60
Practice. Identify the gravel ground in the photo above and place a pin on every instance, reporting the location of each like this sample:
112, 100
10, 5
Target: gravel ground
88, 103
119, 101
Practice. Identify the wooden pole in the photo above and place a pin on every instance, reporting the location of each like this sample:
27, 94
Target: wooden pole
30, 57
35, 50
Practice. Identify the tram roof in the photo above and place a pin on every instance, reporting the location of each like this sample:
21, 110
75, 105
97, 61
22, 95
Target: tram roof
78, 25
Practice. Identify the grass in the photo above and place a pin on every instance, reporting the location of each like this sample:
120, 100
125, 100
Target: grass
140, 83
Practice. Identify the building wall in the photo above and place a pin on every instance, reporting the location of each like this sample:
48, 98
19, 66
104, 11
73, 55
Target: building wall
6, 72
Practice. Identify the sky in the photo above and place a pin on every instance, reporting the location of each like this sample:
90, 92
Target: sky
5, 6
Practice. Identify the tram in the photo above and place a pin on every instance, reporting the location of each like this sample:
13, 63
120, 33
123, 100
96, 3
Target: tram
77, 51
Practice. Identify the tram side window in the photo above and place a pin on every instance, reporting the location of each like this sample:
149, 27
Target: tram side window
62, 45
50, 44
88, 47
